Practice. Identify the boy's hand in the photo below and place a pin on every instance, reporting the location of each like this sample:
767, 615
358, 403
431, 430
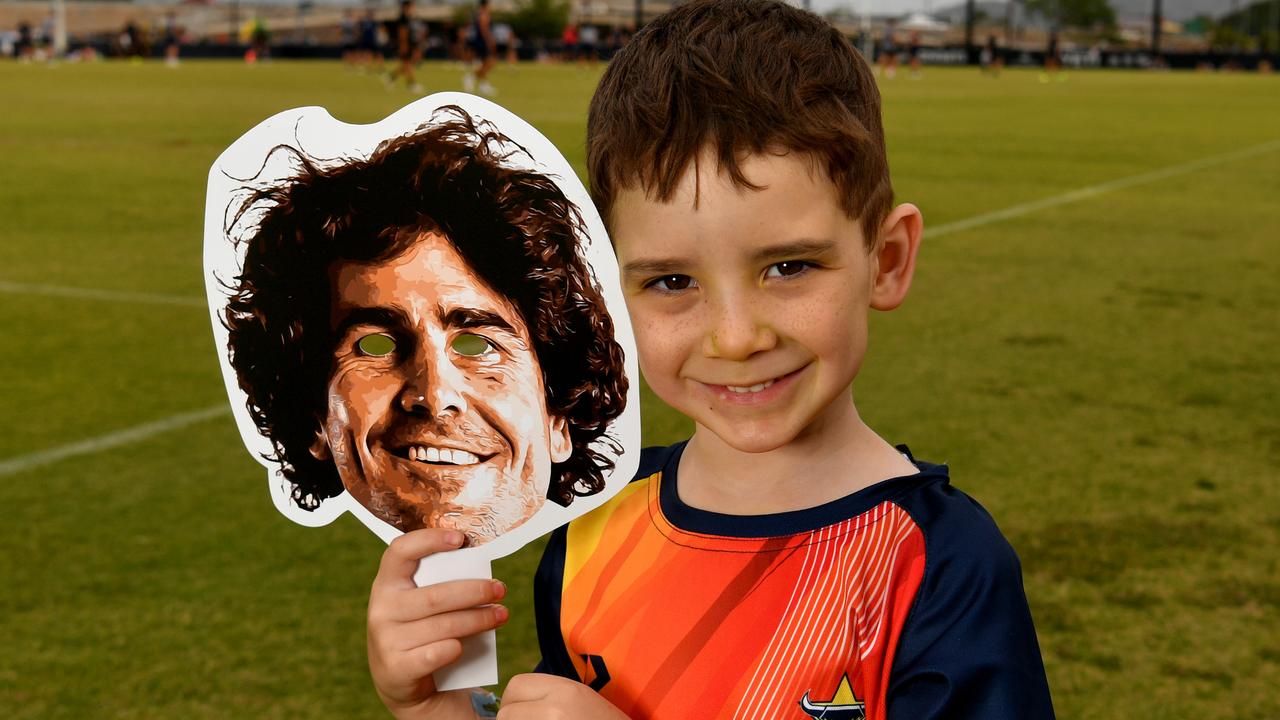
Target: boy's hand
534, 696
414, 631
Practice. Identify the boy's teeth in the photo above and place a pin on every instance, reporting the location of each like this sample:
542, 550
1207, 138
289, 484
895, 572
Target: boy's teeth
442, 455
754, 388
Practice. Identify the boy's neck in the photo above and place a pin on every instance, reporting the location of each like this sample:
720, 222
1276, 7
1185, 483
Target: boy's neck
835, 456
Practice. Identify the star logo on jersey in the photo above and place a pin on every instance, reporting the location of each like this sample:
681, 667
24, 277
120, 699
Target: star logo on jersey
843, 706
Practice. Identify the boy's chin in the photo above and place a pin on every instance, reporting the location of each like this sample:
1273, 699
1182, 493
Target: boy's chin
750, 440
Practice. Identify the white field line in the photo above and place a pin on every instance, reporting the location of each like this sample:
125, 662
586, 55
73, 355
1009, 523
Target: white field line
1094, 190
115, 439
94, 294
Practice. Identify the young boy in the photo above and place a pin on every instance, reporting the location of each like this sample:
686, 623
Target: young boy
784, 562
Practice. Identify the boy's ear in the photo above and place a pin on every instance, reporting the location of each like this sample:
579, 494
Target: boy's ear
895, 256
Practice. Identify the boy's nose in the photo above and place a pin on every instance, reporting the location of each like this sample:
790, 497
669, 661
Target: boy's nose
737, 332
433, 386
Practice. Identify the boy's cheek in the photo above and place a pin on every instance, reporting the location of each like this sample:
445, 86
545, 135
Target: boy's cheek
662, 348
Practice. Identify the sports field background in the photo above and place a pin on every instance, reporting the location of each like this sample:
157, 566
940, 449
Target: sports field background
1100, 370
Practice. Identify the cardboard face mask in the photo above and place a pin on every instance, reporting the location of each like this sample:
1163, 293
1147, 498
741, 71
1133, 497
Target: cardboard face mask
419, 322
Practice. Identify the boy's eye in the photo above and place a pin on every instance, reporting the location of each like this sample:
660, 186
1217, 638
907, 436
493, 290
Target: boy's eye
787, 268
376, 345
471, 345
673, 283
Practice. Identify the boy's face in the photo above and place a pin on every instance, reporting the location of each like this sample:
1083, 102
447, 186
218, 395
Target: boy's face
750, 307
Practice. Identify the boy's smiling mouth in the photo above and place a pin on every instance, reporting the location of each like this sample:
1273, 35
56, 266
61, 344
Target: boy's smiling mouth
761, 391
754, 388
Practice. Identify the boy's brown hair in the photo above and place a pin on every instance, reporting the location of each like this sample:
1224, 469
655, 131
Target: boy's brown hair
739, 77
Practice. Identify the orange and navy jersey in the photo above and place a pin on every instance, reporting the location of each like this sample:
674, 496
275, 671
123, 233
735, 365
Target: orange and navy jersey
902, 600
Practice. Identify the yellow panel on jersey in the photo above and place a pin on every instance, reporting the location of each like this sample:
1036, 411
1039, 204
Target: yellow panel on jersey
589, 529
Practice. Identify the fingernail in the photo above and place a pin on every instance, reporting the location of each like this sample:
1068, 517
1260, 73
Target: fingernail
499, 589
501, 613
454, 538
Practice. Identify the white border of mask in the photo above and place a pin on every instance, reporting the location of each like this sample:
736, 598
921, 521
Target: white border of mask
314, 131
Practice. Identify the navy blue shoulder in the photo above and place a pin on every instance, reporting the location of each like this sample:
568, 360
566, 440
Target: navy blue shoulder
961, 537
968, 648
656, 458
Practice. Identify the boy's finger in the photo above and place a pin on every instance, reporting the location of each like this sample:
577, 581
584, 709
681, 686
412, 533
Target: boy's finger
423, 602
528, 687
421, 662
450, 625
400, 560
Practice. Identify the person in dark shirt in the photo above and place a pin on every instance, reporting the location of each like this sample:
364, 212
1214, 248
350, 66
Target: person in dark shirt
26, 45
1052, 60
408, 49
991, 59
484, 48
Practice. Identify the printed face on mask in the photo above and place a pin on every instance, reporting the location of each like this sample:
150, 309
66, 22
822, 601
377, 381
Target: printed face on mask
436, 412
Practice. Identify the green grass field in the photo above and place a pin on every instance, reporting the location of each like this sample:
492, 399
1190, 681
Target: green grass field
1101, 371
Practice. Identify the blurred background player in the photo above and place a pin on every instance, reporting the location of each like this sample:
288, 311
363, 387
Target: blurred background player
408, 50
172, 40
131, 42
913, 53
991, 59
350, 41
504, 42
484, 48
887, 61
26, 46
569, 42
259, 35
1052, 59
588, 44
369, 50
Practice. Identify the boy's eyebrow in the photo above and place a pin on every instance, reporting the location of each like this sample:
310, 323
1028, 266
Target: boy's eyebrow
654, 266
797, 248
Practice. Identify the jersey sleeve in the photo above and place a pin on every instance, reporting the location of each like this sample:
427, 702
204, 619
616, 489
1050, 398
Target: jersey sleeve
547, 585
968, 648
